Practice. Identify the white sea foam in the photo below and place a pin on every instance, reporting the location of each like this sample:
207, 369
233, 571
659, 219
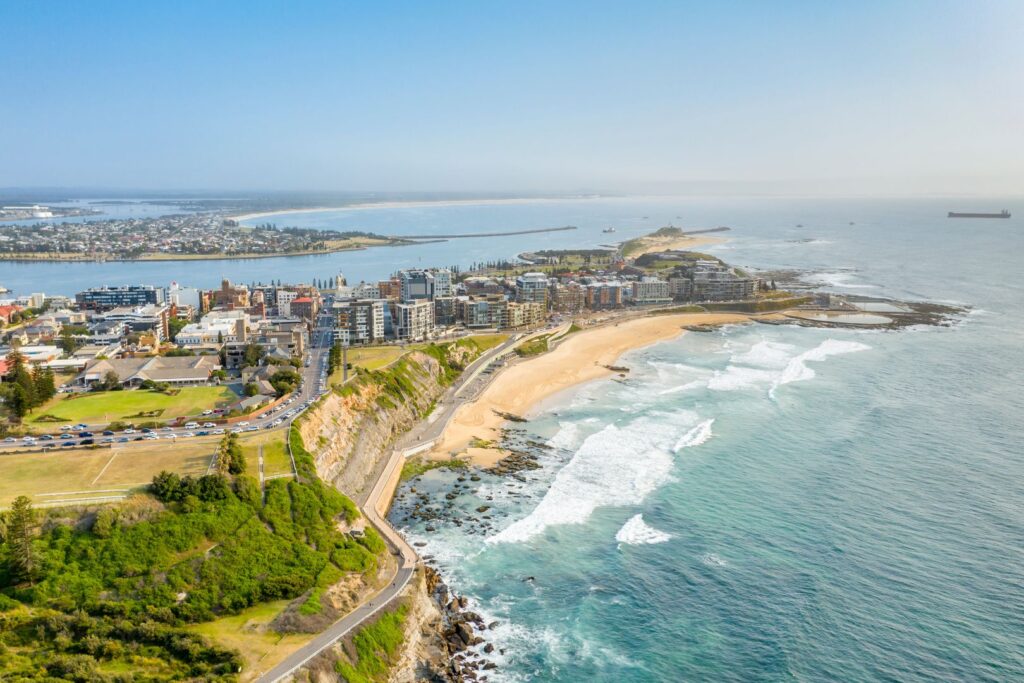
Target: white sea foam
736, 377
684, 387
695, 436
840, 281
796, 370
615, 466
713, 560
637, 532
764, 354
567, 437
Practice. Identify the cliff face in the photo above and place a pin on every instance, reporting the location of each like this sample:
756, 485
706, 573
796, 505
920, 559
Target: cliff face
351, 431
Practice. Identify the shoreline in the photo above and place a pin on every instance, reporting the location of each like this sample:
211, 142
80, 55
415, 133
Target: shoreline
415, 204
581, 357
82, 258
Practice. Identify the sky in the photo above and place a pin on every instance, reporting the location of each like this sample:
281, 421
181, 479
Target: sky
533, 97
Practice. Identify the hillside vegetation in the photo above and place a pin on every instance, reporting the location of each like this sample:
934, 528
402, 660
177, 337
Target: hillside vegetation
107, 596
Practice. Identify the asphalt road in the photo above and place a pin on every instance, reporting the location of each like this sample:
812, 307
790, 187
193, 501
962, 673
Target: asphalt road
313, 386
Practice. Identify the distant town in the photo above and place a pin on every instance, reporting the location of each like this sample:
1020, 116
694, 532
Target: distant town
180, 236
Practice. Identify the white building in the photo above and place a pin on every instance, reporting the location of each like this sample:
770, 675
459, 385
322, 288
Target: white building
284, 302
216, 327
651, 290
358, 322
184, 296
532, 287
414, 321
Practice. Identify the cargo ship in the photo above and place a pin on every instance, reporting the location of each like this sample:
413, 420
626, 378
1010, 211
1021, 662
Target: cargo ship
1002, 214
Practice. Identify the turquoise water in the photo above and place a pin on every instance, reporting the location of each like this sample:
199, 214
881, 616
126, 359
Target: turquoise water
854, 512
773, 503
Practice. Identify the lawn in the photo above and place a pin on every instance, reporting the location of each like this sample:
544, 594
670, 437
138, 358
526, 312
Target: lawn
247, 632
275, 453
77, 473
102, 408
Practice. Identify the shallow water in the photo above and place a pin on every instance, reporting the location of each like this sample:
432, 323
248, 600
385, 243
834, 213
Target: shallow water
769, 503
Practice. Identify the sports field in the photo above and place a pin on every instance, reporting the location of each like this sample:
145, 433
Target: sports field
102, 408
98, 474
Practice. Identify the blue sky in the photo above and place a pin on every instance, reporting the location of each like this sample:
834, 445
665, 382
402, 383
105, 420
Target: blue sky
867, 97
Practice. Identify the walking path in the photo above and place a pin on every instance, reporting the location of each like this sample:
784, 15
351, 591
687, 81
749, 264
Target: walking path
375, 507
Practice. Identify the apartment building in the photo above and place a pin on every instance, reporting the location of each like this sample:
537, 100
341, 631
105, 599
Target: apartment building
414, 320
358, 322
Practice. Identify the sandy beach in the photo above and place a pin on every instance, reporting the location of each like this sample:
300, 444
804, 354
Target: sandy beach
580, 358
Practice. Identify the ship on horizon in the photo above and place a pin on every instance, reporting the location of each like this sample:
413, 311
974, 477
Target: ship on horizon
1002, 214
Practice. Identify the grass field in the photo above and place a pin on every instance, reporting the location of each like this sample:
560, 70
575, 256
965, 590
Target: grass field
82, 473
247, 632
105, 407
377, 357
275, 453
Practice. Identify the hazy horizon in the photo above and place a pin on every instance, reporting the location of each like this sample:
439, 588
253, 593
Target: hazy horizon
912, 99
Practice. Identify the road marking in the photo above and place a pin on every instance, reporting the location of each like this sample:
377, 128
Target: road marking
116, 453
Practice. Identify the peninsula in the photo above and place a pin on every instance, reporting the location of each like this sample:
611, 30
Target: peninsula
179, 237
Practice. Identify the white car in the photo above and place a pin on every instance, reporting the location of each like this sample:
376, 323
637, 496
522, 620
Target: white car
237, 430
218, 431
207, 412
167, 429
243, 424
192, 425
171, 436
129, 431
209, 424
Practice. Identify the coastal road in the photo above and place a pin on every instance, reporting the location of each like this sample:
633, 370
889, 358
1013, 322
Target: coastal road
378, 499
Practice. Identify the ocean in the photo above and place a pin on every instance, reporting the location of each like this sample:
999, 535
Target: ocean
758, 503
766, 503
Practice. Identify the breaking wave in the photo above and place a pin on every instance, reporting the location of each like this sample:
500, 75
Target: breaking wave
615, 466
637, 532
695, 436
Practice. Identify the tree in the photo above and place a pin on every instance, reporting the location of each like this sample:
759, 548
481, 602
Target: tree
44, 385
20, 529
251, 389
254, 353
174, 326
